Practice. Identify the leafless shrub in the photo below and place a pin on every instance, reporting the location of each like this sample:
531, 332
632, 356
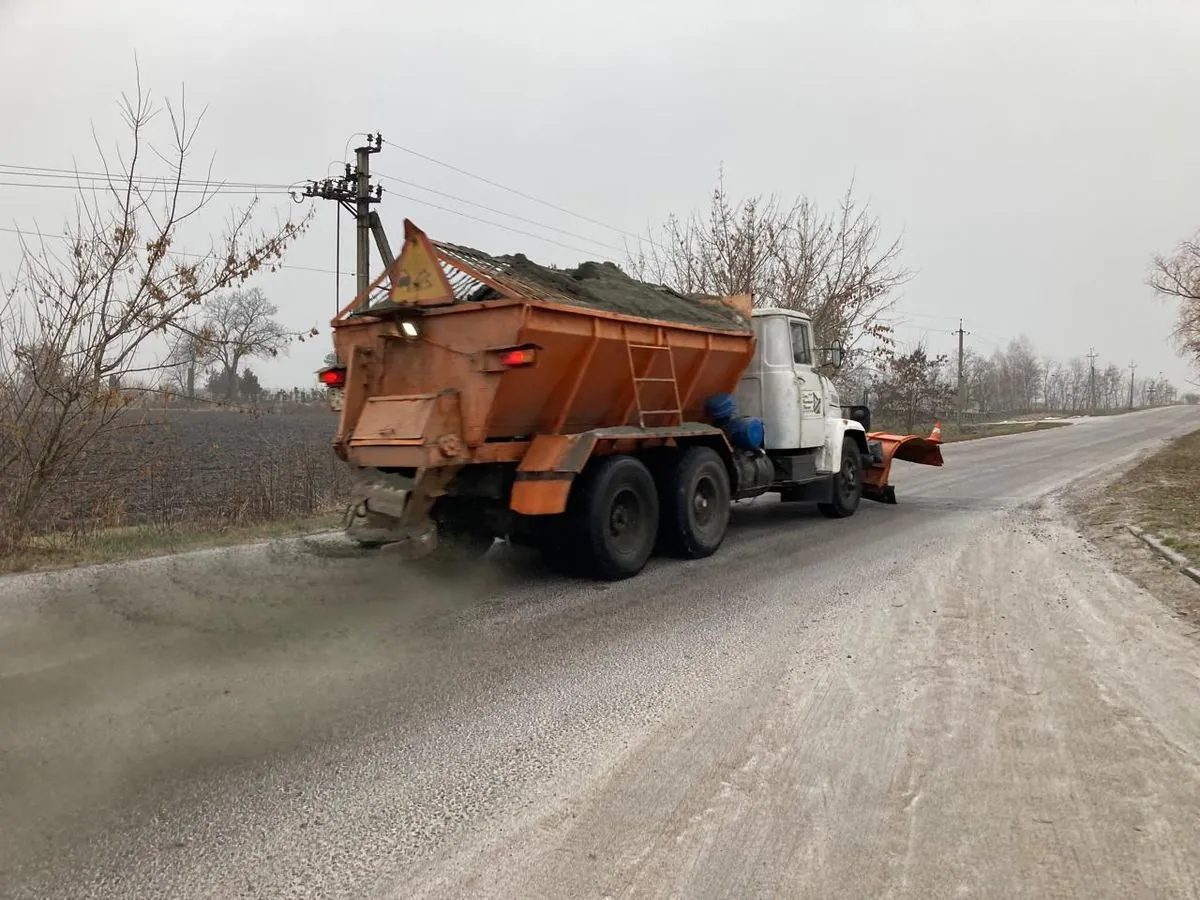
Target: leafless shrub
87, 315
1178, 276
912, 387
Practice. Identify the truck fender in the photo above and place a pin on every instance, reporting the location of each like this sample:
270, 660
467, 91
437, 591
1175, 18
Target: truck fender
543, 480
547, 471
842, 430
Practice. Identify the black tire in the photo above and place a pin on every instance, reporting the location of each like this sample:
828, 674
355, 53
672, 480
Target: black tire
847, 484
613, 519
557, 543
694, 505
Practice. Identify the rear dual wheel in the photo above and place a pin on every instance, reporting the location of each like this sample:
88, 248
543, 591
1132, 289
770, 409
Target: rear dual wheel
611, 521
694, 498
617, 513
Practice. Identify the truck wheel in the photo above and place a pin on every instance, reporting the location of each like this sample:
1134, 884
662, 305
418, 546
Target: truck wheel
615, 518
694, 500
847, 484
557, 544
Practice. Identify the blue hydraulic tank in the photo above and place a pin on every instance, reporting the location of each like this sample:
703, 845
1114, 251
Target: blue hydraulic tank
746, 432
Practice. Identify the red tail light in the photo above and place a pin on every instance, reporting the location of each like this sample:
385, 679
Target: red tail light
513, 358
334, 378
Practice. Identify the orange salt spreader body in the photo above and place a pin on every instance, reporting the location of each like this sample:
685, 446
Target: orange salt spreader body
486, 397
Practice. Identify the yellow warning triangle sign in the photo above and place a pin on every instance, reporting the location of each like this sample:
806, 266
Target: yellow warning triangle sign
417, 275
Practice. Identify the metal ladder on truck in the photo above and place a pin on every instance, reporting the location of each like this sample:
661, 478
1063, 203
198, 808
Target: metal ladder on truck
642, 360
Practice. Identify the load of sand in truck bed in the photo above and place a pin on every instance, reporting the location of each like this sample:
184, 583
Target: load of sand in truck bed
604, 286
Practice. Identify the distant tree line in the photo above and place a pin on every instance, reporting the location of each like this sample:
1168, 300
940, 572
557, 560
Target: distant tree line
914, 387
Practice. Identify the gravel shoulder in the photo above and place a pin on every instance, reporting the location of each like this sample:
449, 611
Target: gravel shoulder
1160, 492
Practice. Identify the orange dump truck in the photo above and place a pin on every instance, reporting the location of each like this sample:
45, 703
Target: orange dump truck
582, 412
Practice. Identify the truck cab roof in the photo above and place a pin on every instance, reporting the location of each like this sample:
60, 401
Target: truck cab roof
764, 311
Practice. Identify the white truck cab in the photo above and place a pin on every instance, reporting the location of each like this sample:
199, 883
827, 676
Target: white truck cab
786, 388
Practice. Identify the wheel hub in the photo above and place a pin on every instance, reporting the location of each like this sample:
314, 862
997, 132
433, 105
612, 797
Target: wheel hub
625, 518
703, 499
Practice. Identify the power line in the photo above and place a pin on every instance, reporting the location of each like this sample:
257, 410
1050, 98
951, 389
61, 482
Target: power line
918, 315
523, 194
152, 189
455, 212
62, 237
59, 173
501, 212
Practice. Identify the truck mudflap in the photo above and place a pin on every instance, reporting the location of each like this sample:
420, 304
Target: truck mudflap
885, 448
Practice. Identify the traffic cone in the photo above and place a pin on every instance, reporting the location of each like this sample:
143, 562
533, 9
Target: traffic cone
936, 434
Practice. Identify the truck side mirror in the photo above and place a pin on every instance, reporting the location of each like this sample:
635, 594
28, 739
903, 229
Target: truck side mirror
834, 356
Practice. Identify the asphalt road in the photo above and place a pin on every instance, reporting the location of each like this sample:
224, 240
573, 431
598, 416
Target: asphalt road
952, 697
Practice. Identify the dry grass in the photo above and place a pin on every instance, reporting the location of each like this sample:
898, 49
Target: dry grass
1161, 494
61, 551
952, 433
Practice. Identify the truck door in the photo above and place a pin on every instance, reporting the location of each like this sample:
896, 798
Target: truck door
808, 386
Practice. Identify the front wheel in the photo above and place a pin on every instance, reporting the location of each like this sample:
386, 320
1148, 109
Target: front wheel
847, 484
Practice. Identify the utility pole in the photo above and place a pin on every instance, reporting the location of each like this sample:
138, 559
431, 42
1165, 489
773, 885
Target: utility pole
1092, 354
1132, 369
354, 192
962, 393
363, 199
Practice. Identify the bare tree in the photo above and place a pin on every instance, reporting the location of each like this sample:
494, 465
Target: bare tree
837, 267
238, 326
185, 363
94, 307
1178, 276
913, 388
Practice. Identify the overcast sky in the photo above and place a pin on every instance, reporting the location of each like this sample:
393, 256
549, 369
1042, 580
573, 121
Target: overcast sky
1035, 154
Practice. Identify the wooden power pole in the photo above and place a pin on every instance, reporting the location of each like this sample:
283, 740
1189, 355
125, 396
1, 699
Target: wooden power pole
962, 383
1092, 354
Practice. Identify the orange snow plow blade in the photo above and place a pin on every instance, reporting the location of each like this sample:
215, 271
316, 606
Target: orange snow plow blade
887, 447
